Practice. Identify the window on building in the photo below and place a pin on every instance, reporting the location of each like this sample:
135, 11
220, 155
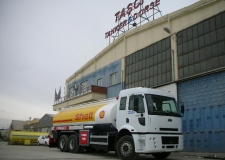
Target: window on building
71, 92
99, 83
113, 79
84, 87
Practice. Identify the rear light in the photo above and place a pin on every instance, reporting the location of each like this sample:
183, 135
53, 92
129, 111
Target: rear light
117, 97
52, 140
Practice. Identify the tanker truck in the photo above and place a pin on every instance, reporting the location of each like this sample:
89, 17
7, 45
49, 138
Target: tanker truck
139, 121
26, 136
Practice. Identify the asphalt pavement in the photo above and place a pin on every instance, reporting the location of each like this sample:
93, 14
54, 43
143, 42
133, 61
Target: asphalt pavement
34, 152
219, 156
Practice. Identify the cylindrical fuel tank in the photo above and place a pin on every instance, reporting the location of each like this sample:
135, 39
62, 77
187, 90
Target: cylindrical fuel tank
99, 113
21, 136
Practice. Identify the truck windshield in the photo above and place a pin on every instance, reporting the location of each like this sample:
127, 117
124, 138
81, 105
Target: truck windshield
160, 105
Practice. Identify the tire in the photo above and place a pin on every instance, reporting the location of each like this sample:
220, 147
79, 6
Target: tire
45, 144
162, 155
38, 143
126, 149
63, 143
74, 144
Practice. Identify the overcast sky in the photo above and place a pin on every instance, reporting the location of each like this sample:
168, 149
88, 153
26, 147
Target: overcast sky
43, 42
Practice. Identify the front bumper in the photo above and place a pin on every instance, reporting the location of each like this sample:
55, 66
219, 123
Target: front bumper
153, 143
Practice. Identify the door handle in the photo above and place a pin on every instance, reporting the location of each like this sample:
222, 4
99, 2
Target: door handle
127, 120
140, 115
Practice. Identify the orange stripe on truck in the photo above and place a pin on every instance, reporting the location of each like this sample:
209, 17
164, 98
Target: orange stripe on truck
63, 120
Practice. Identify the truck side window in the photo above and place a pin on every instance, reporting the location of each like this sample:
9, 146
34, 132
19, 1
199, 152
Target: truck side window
123, 101
137, 101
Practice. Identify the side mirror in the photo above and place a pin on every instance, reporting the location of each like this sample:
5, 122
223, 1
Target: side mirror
182, 108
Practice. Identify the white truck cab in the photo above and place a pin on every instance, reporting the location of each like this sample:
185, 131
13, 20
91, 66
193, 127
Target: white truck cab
152, 118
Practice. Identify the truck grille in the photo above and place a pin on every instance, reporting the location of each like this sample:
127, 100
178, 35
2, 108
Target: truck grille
168, 129
170, 140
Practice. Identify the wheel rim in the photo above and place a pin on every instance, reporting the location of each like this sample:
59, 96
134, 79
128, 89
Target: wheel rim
62, 143
72, 143
126, 148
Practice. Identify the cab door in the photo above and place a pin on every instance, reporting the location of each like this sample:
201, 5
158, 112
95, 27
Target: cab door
137, 114
121, 112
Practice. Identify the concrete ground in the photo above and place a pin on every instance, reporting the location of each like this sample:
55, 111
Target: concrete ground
220, 156
34, 152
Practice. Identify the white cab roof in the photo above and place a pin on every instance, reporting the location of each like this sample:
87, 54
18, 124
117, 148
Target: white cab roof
140, 90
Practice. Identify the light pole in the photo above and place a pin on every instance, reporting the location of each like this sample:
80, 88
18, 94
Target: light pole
174, 52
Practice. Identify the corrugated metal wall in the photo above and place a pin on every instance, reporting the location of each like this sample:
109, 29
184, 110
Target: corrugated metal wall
150, 66
204, 119
46, 123
201, 47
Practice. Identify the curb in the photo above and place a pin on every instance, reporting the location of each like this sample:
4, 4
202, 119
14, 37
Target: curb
220, 156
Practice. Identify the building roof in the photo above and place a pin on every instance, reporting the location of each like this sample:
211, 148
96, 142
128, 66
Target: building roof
17, 125
47, 114
52, 115
27, 122
35, 120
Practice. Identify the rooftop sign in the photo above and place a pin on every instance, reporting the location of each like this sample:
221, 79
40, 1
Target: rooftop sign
133, 12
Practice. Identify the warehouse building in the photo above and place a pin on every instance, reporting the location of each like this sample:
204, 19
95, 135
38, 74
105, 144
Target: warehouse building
46, 123
16, 125
182, 52
32, 125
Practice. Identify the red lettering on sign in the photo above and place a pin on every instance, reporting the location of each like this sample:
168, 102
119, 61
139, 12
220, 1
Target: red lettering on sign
135, 16
82, 116
157, 2
123, 13
152, 5
147, 8
61, 128
141, 12
117, 16
135, 4
129, 8
127, 11
138, 5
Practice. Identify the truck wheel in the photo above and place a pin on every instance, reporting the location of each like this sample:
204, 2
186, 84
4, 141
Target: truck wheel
162, 155
126, 149
74, 144
63, 143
